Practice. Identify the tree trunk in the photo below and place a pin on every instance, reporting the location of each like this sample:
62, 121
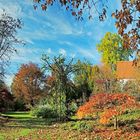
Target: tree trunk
115, 122
32, 102
84, 97
67, 110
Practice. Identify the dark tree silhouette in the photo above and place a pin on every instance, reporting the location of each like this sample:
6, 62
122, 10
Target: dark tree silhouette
6, 98
8, 38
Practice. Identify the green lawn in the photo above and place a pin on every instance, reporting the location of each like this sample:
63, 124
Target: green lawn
130, 116
21, 126
18, 115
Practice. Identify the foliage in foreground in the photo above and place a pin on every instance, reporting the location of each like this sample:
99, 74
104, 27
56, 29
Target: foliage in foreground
107, 107
26, 127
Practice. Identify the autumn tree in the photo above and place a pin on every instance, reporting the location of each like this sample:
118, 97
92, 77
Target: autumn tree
128, 23
2, 84
77, 8
6, 98
109, 106
105, 80
95, 79
8, 38
61, 70
112, 51
28, 84
121, 103
91, 108
84, 79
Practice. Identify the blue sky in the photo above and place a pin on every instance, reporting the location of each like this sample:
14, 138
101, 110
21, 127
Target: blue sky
55, 32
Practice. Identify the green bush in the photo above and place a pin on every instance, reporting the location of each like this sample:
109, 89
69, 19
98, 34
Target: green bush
44, 111
130, 115
19, 105
128, 118
79, 126
73, 108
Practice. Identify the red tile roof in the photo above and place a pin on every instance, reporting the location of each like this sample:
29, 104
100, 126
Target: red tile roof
125, 70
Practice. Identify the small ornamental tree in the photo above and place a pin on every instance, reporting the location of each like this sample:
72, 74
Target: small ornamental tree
110, 107
95, 104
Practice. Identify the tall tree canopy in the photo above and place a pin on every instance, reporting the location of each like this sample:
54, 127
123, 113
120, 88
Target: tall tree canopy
84, 78
28, 84
62, 71
8, 29
78, 7
112, 50
128, 23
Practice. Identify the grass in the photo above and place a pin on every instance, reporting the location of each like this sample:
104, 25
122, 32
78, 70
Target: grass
18, 115
11, 133
21, 126
14, 127
130, 116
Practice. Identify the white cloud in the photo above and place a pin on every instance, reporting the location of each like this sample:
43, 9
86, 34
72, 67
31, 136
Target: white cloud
13, 10
60, 25
86, 53
27, 2
63, 52
26, 54
89, 53
8, 80
73, 55
51, 25
89, 33
49, 51
68, 43
41, 26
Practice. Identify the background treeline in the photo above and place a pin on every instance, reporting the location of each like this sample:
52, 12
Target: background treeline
60, 86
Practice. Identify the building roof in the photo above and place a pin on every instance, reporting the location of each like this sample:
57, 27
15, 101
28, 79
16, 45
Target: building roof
125, 70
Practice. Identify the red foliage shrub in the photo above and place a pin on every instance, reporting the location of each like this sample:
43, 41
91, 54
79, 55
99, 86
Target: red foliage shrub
109, 105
